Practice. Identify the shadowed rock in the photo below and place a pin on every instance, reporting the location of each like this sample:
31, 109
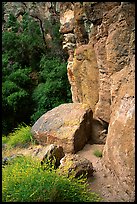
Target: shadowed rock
75, 165
53, 155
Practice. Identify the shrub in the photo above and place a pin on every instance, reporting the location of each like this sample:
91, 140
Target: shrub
24, 180
20, 137
98, 153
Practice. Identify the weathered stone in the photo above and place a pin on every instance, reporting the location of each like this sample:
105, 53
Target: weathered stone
96, 11
69, 42
75, 165
102, 108
120, 143
67, 21
101, 74
68, 125
67, 18
53, 155
79, 29
84, 83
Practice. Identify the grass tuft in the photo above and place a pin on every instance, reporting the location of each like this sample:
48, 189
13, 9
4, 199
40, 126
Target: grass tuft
20, 137
97, 153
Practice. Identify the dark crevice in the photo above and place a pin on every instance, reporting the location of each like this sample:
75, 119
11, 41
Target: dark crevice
104, 124
99, 131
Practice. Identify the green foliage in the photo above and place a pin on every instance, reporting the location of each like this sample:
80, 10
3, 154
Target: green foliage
12, 23
98, 153
25, 44
20, 137
4, 139
15, 94
24, 180
53, 88
24, 97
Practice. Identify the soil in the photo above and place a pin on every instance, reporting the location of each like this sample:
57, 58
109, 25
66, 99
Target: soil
102, 182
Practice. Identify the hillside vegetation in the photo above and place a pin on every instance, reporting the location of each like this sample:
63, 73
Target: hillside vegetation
34, 75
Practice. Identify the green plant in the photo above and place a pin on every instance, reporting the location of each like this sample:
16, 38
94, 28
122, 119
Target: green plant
34, 77
15, 97
53, 89
20, 137
98, 153
4, 139
25, 181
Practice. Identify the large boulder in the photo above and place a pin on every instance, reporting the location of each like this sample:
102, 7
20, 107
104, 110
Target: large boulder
75, 165
68, 125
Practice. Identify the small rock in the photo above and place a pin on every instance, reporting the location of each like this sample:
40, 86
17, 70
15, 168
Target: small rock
53, 155
104, 175
75, 165
108, 186
4, 146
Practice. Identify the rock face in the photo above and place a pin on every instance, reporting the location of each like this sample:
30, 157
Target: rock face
42, 10
101, 70
99, 131
120, 143
75, 165
68, 125
85, 89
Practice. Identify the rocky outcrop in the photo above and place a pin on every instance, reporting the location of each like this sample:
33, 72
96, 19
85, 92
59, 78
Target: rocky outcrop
99, 38
45, 14
68, 125
42, 10
101, 73
75, 165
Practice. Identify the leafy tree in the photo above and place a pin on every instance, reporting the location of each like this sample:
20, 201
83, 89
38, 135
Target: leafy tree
15, 96
34, 78
53, 88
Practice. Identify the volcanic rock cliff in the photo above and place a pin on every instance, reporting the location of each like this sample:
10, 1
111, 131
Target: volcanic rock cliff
101, 71
99, 38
